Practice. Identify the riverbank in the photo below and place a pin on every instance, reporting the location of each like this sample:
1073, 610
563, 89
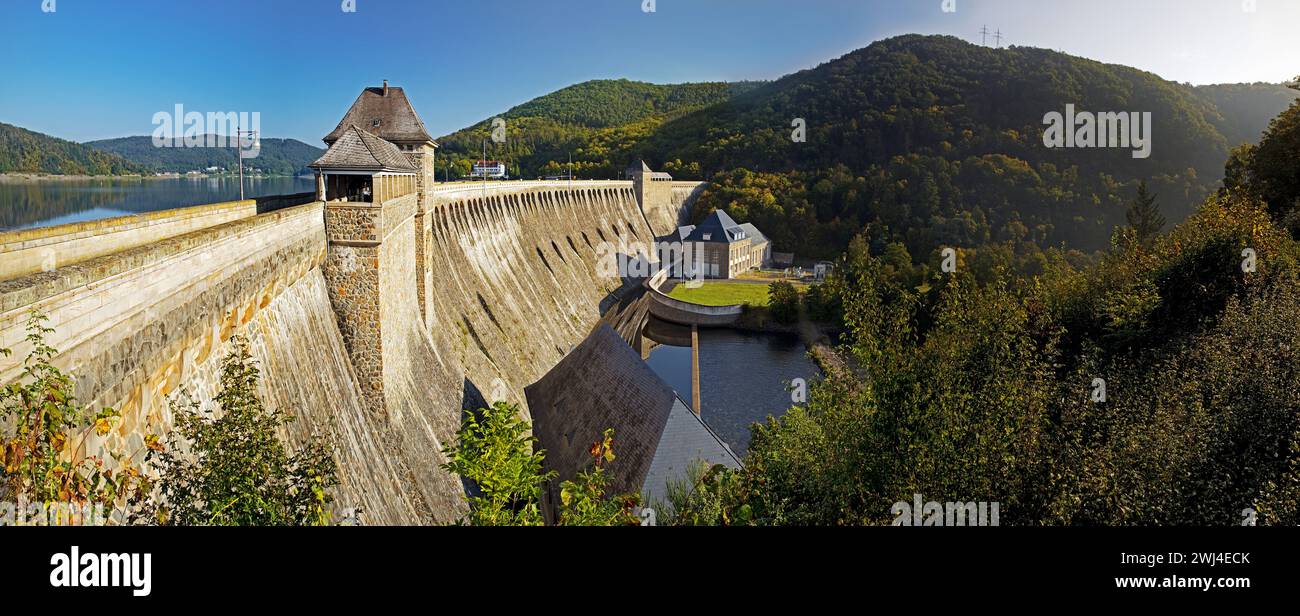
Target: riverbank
28, 178
24, 177
816, 337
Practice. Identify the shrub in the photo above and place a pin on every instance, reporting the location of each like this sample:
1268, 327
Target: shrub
233, 470
46, 430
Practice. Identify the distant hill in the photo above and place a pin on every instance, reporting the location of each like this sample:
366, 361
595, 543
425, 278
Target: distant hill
1247, 108
277, 156
931, 140
588, 120
927, 140
25, 151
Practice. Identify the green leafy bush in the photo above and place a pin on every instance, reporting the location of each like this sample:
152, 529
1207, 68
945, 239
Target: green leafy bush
783, 302
495, 452
232, 469
45, 430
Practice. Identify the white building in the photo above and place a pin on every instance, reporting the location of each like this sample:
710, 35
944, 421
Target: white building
489, 168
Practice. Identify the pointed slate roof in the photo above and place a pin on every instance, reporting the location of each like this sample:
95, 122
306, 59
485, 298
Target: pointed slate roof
719, 227
357, 149
386, 113
754, 234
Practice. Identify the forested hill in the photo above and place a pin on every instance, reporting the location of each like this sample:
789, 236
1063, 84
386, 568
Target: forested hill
277, 156
930, 140
1247, 108
595, 121
25, 151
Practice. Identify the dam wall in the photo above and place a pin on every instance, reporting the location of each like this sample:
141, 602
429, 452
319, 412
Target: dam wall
140, 328
514, 282
514, 279
327, 296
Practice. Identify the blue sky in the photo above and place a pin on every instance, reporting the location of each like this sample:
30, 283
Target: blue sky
101, 68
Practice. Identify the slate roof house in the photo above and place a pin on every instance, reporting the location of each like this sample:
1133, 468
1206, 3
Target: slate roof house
380, 150
603, 384
723, 248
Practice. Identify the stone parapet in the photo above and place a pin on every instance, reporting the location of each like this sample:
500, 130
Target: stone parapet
45, 249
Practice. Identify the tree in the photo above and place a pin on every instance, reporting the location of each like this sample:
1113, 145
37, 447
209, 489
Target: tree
45, 431
980, 391
495, 453
1274, 173
232, 470
1144, 215
783, 302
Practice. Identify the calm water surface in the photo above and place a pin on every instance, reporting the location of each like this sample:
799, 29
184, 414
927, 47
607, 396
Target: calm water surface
743, 378
25, 205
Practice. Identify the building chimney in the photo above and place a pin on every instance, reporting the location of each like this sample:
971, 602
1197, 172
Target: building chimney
385, 87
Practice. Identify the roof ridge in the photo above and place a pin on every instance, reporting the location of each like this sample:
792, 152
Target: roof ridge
725, 446
366, 143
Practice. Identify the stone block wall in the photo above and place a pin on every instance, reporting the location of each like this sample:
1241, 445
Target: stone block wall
132, 328
425, 159
330, 299
351, 271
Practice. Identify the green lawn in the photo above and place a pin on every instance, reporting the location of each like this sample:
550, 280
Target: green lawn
722, 294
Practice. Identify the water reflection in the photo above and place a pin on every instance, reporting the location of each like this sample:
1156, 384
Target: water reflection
40, 203
743, 378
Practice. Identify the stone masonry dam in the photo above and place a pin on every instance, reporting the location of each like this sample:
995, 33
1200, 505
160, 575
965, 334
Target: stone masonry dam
373, 324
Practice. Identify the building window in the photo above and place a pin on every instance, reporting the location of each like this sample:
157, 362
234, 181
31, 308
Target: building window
708, 236
376, 122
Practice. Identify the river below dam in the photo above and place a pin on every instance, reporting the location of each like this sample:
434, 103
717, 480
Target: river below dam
743, 378
26, 204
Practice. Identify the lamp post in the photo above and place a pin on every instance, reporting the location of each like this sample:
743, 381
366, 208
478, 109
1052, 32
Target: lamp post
239, 146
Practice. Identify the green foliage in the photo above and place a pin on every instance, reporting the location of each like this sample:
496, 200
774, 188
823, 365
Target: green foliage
276, 156
981, 391
1144, 215
784, 302
1271, 170
25, 151
233, 470
584, 500
495, 452
1247, 108
598, 123
705, 498
45, 431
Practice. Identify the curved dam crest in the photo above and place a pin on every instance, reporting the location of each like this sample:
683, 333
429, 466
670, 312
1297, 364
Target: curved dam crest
374, 326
